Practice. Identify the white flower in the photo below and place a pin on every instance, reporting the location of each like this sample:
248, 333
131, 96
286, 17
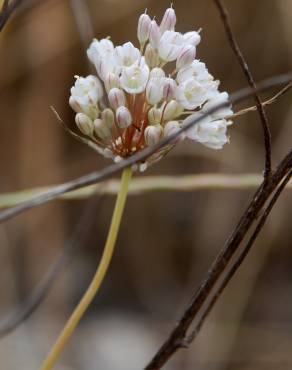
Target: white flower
154, 34
212, 134
186, 56
153, 134
154, 91
191, 94
116, 98
143, 28
99, 49
196, 70
219, 98
137, 101
85, 95
134, 79
151, 57
123, 116
192, 38
170, 45
168, 21
84, 123
126, 55
101, 129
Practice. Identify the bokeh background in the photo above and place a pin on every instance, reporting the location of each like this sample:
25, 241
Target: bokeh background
167, 239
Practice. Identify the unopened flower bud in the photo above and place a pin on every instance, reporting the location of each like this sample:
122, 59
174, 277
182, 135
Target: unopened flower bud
171, 128
154, 116
123, 116
169, 89
153, 92
154, 34
157, 73
111, 81
74, 104
192, 38
143, 28
186, 56
168, 21
108, 117
153, 134
116, 98
101, 129
172, 110
151, 56
84, 124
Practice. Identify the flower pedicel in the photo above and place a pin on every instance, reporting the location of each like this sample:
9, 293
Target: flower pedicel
134, 102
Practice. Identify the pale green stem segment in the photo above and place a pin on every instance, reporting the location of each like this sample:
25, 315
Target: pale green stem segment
98, 277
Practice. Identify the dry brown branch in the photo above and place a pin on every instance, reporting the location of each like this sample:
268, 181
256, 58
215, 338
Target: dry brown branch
238, 53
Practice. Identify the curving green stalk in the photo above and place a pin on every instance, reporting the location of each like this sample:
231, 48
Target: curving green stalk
98, 277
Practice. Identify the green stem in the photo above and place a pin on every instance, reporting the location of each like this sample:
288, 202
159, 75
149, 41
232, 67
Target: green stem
98, 277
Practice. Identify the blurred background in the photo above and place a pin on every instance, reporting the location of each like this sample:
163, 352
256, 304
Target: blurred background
167, 239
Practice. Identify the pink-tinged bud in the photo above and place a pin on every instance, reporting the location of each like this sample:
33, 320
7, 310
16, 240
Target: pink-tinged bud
192, 38
153, 134
154, 116
123, 116
169, 89
101, 129
116, 98
84, 123
151, 56
171, 128
111, 81
143, 28
186, 56
168, 21
154, 34
153, 92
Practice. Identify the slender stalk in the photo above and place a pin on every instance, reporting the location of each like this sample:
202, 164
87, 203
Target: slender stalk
98, 277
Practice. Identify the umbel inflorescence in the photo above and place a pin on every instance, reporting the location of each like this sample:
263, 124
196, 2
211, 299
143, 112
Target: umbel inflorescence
142, 95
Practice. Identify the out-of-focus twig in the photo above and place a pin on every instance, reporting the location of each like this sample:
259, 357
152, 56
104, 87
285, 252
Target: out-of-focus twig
239, 259
265, 103
7, 9
148, 184
39, 293
264, 120
83, 21
98, 176
177, 338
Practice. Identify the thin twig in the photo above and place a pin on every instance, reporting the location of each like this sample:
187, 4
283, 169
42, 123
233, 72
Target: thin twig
176, 339
7, 9
270, 101
239, 259
98, 176
146, 184
26, 308
264, 120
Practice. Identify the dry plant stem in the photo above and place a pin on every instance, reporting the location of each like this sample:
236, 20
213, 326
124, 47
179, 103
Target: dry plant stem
239, 259
98, 176
177, 338
270, 101
98, 277
30, 304
7, 10
264, 120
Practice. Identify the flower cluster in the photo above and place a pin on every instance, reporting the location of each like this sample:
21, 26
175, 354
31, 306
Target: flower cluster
134, 103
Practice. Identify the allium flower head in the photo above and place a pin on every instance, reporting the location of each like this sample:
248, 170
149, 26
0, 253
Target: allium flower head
141, 95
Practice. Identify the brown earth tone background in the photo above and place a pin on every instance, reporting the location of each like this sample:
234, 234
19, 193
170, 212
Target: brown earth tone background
167, 239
